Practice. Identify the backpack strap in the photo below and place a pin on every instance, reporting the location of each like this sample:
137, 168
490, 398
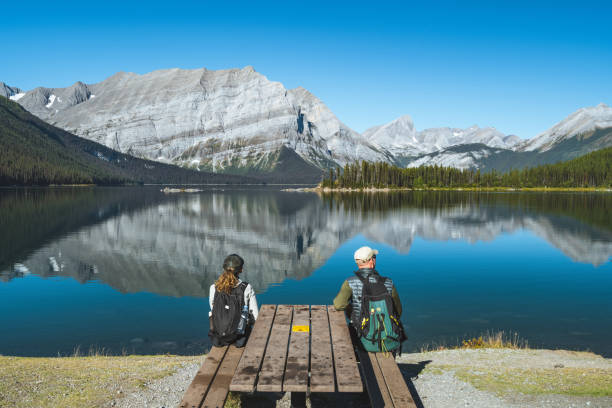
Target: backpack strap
240, 289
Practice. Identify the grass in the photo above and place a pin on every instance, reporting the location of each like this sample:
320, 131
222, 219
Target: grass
234, 400
505, 380
79, 381
566, 381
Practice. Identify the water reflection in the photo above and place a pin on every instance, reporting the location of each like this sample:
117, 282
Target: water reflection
142, 240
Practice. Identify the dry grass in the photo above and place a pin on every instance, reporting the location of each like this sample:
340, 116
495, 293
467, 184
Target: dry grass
495, 340
79, 381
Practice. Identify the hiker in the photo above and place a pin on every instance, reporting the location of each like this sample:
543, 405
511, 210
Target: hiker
233, 307
373, 306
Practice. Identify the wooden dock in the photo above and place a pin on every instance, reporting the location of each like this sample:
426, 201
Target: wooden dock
299, 349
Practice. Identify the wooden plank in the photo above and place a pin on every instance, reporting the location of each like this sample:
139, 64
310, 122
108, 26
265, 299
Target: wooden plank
347, 372
273, 366
298, 356
400, 394
220, 386
374, 380
321, 358
201, 383
250, 363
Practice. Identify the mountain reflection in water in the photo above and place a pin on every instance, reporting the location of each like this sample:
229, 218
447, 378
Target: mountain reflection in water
463, 262
138, 239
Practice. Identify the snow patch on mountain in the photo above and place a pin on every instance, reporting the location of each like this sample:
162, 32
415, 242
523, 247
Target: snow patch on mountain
17, 96
51, 100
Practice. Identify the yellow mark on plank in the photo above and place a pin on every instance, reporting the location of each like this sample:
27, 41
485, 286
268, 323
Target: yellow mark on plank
301, 329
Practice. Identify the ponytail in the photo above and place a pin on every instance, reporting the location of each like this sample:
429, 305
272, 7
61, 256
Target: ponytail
227, 281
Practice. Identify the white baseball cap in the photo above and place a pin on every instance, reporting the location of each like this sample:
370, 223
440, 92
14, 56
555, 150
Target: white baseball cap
365, 253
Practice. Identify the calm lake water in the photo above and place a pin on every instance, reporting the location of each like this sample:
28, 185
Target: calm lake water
128, 269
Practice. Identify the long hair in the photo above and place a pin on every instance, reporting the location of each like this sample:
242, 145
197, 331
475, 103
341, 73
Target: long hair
227, 281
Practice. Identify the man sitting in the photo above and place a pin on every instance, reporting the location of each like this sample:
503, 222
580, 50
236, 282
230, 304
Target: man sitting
373, 305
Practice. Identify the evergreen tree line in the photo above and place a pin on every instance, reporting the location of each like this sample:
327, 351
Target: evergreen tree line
590, 170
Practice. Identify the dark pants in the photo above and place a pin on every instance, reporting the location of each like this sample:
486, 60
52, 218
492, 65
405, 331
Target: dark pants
240, 342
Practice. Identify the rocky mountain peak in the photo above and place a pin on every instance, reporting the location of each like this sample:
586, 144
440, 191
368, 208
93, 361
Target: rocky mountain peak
396, 135
9, 91
581, 121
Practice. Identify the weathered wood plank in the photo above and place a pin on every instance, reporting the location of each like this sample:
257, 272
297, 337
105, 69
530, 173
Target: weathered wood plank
201, 383
273, 366
400, 394
296, 371
347, 372
250, 363
220, 386
375, 381
321, 358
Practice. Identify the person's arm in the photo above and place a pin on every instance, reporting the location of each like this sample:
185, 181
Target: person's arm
249, 299
341, 301
396, 301
211, 299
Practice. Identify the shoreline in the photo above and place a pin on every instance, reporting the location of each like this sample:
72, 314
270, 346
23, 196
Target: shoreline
485, 377
319, 189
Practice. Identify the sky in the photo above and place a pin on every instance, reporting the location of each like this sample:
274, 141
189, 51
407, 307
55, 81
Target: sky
517, 66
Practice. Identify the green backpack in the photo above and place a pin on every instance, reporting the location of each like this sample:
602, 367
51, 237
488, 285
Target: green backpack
380, 329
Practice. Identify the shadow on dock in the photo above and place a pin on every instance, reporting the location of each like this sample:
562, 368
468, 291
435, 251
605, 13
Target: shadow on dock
411, 372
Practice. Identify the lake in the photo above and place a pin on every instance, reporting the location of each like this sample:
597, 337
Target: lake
127, 270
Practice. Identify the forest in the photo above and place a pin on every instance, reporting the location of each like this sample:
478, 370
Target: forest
590, 170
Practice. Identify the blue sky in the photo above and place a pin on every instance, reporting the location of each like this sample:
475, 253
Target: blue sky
520, 67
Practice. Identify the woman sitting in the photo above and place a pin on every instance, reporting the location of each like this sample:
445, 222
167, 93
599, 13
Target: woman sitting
233, 307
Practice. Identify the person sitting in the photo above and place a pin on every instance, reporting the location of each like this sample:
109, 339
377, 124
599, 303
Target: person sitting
373, 305
233, 307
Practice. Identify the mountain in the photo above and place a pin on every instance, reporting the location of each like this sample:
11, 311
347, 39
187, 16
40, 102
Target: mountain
34, 152
462, 156
232, 121
401, 139
237, 121
584, 121
582, 124
10, 92
586, 130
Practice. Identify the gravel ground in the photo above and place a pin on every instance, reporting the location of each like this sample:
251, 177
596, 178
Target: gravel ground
166, 392
433, 383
